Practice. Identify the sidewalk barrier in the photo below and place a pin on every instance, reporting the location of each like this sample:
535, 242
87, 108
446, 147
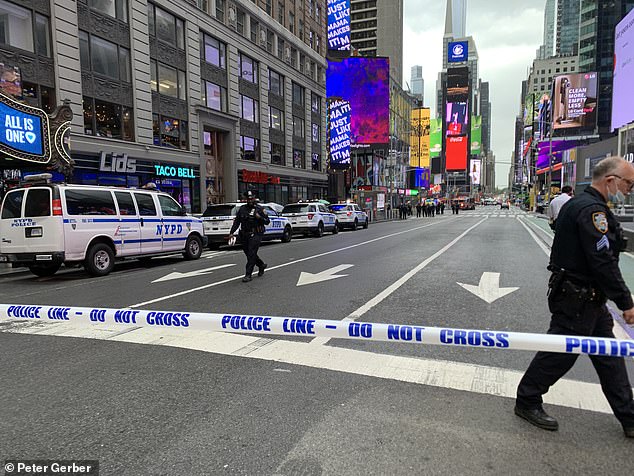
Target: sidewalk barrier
293, 326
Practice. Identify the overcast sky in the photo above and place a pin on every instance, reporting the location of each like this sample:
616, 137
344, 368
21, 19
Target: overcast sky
507, 34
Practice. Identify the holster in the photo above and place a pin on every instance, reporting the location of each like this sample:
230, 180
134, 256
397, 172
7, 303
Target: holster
568, 297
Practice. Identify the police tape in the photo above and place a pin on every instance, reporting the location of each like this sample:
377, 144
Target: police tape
294, 326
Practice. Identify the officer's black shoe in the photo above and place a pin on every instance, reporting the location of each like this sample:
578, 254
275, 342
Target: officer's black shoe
247, 278
261, 269
538, 417
629, 432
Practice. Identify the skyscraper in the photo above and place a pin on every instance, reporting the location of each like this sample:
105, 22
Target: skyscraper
417, 83
567, 42
547, 49
456, 18
376, 29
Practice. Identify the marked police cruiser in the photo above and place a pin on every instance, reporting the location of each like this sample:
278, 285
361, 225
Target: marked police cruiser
309, 217
349, 215
218, 219
44, 225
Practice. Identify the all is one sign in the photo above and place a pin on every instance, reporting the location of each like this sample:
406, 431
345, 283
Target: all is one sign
24, 131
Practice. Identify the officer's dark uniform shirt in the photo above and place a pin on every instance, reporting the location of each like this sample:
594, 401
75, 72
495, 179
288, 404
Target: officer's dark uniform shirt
587, 243
248, 222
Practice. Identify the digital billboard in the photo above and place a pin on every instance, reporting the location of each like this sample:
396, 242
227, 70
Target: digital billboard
476, 135
458, 51
457, 118
458, 84
11, 80
419, 138
622, 90
544, 116
339, 124
456, 153
435, 137
555, 147
475, 171
364, 83
338, 25
24, 131
575, 101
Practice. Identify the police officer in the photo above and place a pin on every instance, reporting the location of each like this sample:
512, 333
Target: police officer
251, 219
585, 267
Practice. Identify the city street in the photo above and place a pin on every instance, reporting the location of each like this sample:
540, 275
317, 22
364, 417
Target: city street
164, 401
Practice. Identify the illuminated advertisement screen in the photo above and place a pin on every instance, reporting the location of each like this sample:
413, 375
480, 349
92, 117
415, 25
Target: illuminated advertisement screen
435, 137
545, 150
422, 178
339, 124
365, 83
475, 171
339, 25
11, 80
457, 118
419, 138
456, 153
622, 95
575, 101
458, 84
21, 132
458, 51
476, 134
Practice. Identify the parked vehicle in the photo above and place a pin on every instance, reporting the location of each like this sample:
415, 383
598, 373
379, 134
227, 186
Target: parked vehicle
349, 215
311, 217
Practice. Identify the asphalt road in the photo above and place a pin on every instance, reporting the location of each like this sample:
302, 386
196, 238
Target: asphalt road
155, 401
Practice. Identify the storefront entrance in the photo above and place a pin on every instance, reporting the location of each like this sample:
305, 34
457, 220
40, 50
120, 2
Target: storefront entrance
214, 166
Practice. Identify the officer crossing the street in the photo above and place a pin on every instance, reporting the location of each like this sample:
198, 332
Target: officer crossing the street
584, 262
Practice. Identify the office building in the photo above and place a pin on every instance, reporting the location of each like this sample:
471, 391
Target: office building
417, 84
485, 112
547, 49
205, 100
543, 71
567, 35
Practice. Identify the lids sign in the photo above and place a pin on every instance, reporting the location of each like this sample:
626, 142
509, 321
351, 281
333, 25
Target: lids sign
23, 131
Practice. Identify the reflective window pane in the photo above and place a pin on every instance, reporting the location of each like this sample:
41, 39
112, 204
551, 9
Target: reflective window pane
168, 80
42, 36
104, 57
165, 26
16, 27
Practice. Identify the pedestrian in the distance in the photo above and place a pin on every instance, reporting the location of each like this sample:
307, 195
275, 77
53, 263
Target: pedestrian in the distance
557, 203
584, 262
418, 209
251, 219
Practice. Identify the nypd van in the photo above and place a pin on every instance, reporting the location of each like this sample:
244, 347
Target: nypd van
218, 220
44, 225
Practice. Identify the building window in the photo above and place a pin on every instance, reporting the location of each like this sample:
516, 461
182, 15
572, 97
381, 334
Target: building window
298, 94
267, 7
277, 154
276, 83
240, 22
249, 109
250, 148
39, 96
215, 96
316, 162
298, 159
23, 29
254, 30
214, 51
104, 58
276, 120
316, 131
280, 13
248, 69
291, 22
105, 119
269, 41
167, 80
280, 48
315, 103
220, 10
170, 132
113, 8
298, 126
166, 27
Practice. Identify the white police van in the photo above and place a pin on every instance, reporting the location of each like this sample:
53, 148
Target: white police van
43, 225
349, 215
311, 217
218, 219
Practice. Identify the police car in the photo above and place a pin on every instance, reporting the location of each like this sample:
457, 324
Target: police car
45, 225
218, 219
349, 215
308, 217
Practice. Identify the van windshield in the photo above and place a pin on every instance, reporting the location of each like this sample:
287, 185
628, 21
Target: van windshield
296, 208
12, 206
220, 211
337, 208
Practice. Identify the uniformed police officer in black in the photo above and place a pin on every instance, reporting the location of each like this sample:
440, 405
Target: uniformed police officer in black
251, 219
585, 274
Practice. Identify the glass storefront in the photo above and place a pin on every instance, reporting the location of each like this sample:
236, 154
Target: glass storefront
281, 189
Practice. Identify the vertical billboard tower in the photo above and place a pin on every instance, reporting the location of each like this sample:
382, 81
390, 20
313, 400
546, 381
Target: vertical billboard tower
457, 122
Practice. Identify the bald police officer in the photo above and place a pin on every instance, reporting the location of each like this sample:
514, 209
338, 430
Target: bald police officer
584, 262
251, 219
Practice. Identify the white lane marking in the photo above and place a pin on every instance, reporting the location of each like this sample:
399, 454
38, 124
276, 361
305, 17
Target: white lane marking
190, 274
473, 378
397, 284
235, 278
326, 275
488, 289
534, 237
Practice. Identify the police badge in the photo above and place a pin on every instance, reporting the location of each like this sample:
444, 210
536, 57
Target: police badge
600, 222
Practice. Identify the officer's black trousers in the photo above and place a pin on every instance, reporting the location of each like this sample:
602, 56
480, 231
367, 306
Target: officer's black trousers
548, 367
250, 246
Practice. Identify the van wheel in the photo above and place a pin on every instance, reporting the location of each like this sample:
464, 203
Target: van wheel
335, 229
287, 235
44, 270
193, 248
99, 260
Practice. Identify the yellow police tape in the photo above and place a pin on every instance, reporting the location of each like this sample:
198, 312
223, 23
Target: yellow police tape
293, 326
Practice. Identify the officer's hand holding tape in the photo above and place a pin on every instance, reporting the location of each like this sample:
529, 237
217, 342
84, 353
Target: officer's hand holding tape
628, 316
231, 239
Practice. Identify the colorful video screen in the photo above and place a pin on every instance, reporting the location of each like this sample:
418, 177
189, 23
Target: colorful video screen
575, 101
339, 124
622, 97
456, 153
458, 84
457, 118
555, 147
365, 83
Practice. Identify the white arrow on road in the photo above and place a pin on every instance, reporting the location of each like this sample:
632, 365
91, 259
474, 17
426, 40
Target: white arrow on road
489, 288
191, 274
310, 278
